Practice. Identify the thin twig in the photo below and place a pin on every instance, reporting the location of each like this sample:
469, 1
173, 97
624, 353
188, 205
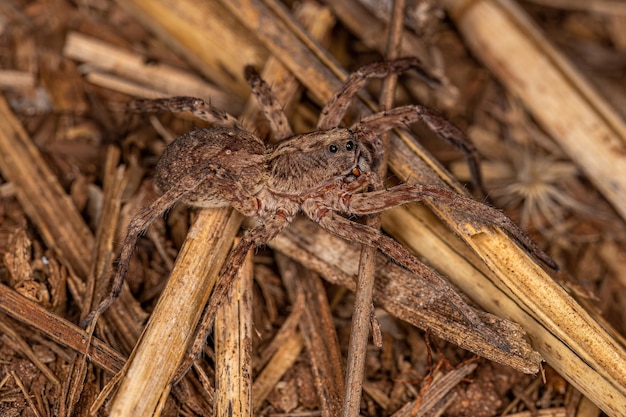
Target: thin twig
363, 313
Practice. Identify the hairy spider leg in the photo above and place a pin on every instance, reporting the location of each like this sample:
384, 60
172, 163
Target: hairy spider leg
378, 123
336, 107
198, 107
137, 226
366, 235
232, 191
252, 238
270, 106
377, 201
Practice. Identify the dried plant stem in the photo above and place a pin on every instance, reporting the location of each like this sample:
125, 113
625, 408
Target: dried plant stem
60, 331
164, 341
205, 35
284, 40
114, 184
359, 335
233, 342
284, 358
110, 66
355, 16
567, 106
436, 392
363, 307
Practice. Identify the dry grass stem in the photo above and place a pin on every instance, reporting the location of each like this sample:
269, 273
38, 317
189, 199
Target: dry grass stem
189, 286
564, 103
433, 396
233, 342
59, 330
399, 293
283, 359
154, 80
363, 307
206, 35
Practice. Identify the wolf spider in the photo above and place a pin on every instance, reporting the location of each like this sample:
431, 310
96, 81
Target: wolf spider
322, 174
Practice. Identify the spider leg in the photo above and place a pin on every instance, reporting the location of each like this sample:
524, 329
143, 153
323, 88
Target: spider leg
252, 238
375, 124
198, 107
366, 235
270, 106
377, 201
335, 109
137, 226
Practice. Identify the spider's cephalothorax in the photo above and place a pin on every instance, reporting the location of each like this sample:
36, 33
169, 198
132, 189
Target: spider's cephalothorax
303, 162
326, 174
265, 177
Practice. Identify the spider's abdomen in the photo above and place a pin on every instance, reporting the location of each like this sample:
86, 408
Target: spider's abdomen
231, 160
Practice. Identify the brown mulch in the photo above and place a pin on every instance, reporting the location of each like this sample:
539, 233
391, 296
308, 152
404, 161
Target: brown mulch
80, 166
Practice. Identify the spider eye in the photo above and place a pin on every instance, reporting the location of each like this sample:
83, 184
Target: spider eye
333, 148
349, 145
